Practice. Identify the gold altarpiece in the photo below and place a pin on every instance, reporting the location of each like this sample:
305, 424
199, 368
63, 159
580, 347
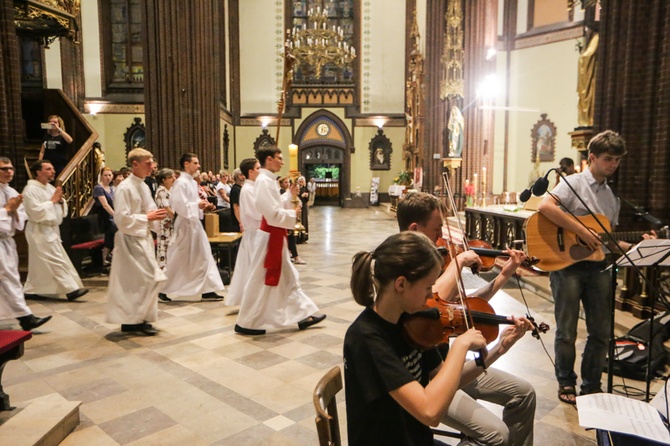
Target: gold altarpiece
452, 89
412, 149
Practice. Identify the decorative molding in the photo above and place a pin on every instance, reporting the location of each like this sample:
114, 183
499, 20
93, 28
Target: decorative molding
279, 46
322, 95
372, 122
255, 122
366, 57
107, 108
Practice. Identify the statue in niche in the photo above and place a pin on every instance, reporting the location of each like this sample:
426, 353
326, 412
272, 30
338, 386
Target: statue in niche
456, 126
586, 82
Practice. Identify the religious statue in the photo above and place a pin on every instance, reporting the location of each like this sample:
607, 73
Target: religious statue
455, 126
586, 83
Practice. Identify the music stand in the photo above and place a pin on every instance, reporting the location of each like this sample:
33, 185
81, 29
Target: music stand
654, 252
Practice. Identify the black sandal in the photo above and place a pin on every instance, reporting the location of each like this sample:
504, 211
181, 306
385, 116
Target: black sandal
567, 394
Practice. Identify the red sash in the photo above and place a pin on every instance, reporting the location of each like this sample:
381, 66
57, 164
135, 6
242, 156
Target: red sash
273, 258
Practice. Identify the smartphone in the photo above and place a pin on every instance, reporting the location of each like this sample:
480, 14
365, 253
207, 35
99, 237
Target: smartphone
46, 126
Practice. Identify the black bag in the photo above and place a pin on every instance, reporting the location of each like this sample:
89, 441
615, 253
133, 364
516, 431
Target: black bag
630, 353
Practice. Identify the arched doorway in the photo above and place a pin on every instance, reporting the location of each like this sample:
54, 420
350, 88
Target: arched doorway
324, 153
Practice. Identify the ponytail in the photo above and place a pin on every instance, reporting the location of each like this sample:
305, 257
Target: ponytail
409, 254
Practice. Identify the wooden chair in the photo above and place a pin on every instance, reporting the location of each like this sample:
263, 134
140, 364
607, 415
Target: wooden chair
325, 404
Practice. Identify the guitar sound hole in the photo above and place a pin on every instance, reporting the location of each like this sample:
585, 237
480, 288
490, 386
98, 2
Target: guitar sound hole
578, 252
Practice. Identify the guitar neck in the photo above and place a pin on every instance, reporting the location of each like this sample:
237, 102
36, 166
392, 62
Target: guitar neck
625, 236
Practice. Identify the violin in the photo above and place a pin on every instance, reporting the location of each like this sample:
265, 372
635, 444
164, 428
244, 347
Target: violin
440, 320
482, 248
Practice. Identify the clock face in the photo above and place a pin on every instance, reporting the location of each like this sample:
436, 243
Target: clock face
323, 129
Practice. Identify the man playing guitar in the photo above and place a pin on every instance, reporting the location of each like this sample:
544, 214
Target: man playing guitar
585, 281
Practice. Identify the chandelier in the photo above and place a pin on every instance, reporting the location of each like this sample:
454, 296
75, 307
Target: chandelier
319, 45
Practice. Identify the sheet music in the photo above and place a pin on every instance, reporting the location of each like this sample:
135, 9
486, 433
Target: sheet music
620, 414
648, 253
659, 402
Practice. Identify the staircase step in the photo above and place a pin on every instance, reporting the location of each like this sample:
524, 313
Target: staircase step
42, 421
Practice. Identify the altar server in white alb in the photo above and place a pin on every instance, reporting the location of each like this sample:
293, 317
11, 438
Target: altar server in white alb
12, 218
50, 271
191, 269
135, 275
273, 297
250, 220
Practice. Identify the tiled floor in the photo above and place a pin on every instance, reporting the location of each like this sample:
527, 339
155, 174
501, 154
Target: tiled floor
199, 383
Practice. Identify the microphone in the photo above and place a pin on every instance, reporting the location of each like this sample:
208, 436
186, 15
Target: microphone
538, 188
525, 195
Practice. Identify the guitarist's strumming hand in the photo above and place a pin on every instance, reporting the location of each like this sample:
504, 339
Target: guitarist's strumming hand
590, 238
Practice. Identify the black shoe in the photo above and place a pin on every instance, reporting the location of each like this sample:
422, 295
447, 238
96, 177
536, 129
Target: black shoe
144, 328
312, 320
34, 296
212, 297
163, 297
31, 322
76, 294
248, 331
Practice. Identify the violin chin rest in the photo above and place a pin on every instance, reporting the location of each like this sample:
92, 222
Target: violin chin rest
428, 313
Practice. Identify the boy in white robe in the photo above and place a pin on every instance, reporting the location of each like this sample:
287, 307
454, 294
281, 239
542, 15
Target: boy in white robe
12, 217
135, 275
191, 269
273, 297
50, 270
250, 219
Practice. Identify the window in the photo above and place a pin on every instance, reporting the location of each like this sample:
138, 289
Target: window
122, 45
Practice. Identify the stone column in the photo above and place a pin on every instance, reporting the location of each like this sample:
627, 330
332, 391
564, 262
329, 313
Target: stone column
11, 124
182, 80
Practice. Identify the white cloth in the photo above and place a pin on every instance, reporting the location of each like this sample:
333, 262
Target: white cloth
251, 221
266, 307
50, 270
220, 202
191, 269
12, 302
132, 294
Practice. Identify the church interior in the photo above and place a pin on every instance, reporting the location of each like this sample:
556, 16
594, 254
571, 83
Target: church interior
472, 101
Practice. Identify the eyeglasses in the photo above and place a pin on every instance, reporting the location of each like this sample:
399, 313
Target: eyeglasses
7, 168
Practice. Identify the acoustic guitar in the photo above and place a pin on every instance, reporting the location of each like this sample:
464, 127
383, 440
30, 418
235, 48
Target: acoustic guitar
558, 248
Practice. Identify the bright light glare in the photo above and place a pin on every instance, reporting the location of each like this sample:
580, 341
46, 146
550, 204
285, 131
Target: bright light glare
489, 88
94, 108
265, 121
490, 53
379, 122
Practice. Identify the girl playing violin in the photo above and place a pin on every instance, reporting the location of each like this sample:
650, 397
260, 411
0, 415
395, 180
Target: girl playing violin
394, 391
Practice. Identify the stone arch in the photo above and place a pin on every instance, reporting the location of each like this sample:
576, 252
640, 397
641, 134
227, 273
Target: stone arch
324, 137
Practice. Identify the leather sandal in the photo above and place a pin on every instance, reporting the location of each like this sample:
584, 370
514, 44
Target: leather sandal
567, 394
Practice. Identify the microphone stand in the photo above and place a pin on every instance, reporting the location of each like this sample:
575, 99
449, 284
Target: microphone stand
642, 213
613, 284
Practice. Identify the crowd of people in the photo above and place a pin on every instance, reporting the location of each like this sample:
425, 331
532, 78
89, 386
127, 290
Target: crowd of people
139, 201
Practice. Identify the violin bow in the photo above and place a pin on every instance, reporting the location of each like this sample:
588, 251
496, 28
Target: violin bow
469, 322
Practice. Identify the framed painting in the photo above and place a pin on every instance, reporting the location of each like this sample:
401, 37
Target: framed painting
380, 152
543, 136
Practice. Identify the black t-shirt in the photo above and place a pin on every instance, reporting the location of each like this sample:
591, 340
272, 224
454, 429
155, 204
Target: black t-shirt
235, 199
55, 148
377, 360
